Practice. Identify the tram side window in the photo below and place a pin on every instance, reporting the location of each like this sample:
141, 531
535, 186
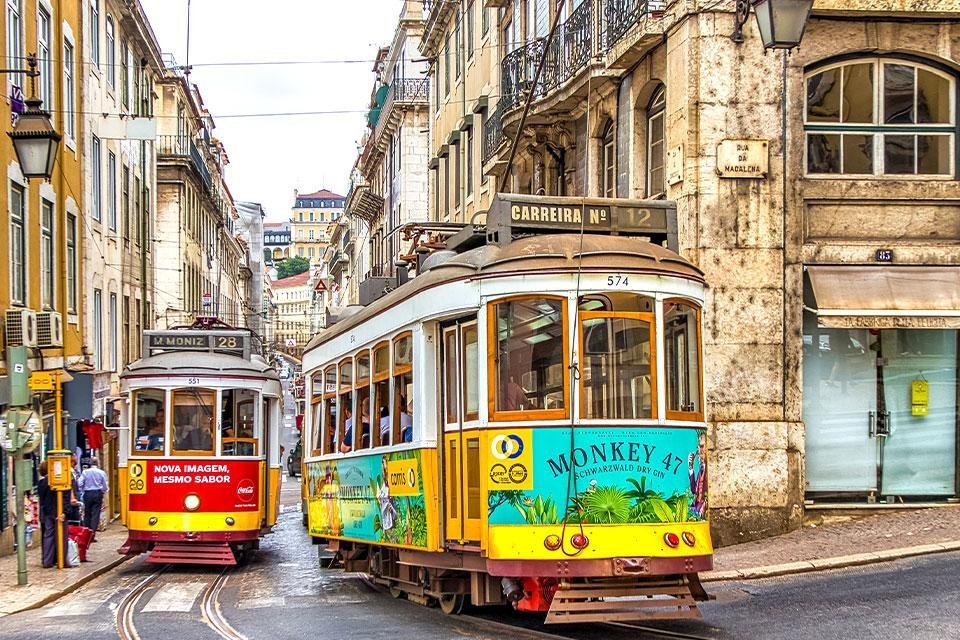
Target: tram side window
529, 357
316, 413
681, 325
194, 414
381, 395
362, 385
345, 407
328, 411
471, 366
150, 423
403, 389
617, 372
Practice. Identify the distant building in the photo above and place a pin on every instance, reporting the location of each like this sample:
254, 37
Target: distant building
292, 298
251, 229
276, 241
311, 214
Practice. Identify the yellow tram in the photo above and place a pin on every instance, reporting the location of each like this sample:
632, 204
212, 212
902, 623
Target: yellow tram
522, 422
200, 446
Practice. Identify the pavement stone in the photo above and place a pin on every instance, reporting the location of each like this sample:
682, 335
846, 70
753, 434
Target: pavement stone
46, 585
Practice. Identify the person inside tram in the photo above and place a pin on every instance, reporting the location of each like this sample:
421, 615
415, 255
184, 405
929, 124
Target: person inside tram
512, 396
364, 426
155, 433
347, 445
384, 426
227, 436
195, 437
406, 420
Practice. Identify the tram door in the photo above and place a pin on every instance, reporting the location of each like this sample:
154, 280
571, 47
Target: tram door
461, 412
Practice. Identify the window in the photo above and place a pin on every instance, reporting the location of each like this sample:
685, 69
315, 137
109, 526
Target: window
127, 346
311, 234
362, 387
455, 156
239, 427
609, 169
18, 246
44, 58
72, 267
95, 31
681, 325
446, 65
469, 341
529, 359
137, 212
381, 394
112, 190
69, 91
149, 422
344, 436
114, 347
656, 184
15, 57
125, 202
484, 21
47, 255
880, 117
194, 420
403, 389
468, 160
98, 329
458, 53
124, 75
617, 366
97, 162
470, 21
111, 54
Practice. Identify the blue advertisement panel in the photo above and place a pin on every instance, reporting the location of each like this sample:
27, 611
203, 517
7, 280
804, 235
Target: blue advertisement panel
377, 498
597, 476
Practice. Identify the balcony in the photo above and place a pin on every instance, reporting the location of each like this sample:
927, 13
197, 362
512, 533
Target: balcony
493, 136
183, 147
403, 94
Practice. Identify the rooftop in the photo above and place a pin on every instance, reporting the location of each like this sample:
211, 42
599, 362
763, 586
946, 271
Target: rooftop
323, 193
293, 281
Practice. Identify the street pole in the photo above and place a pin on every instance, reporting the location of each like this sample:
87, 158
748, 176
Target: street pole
58, 445
19, 465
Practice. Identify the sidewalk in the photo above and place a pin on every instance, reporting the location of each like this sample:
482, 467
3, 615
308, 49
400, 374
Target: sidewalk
46, 585
842, 543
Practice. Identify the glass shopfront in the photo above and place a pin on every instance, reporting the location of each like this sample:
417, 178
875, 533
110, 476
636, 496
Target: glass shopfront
880, 410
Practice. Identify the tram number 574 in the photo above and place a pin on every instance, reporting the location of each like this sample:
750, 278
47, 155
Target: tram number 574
618, 281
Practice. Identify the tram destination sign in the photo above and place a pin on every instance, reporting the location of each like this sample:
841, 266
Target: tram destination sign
227, 342
512, 215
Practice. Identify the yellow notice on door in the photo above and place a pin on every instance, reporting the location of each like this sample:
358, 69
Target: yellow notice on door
919, 397
403, 478
137, 477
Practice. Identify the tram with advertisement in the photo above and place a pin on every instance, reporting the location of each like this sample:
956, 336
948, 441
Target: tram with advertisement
200, 446
522, 422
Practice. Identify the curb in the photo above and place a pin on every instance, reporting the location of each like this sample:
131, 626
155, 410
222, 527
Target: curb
808, 566
53, 597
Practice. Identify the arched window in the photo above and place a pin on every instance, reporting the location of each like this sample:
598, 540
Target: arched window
880, 117
656, 185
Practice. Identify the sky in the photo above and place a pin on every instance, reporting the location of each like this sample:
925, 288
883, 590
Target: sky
271, 156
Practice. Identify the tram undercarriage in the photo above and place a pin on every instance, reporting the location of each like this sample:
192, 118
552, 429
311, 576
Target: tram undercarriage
617, 589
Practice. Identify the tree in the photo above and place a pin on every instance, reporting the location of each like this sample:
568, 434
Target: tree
292, 266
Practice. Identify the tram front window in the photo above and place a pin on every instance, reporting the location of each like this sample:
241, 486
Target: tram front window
194, 414
530, 357
681, 325
149, 422
239, 431
617, 371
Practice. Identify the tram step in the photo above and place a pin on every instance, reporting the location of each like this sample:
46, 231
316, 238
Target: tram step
608, 601
195, 553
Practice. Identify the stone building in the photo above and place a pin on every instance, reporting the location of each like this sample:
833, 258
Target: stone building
276, 242
817, 190
389, 187
292, 298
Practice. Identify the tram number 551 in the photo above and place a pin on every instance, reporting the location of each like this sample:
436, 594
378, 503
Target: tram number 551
618, 281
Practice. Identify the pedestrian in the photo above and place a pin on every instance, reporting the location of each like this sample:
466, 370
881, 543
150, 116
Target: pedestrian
49, 521
94, 485
74, 512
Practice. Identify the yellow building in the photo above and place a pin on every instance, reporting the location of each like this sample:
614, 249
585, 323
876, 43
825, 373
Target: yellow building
41, 240
311, 214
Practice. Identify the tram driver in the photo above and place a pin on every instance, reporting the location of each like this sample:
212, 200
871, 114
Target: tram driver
195, 437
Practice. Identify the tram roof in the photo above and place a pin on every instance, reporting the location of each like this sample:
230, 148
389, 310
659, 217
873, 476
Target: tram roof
191, 361
534, 254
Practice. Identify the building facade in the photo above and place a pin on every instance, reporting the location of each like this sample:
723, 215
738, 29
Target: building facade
276, 242
816, 190
308, 222
389, 186
250, 230
292, 298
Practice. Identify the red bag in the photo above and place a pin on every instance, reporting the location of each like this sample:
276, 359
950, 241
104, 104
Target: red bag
82, 536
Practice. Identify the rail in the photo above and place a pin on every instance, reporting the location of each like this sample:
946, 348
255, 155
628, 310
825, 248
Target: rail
184, 147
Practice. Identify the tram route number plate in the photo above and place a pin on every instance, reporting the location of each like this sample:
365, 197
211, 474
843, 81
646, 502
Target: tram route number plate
137, 478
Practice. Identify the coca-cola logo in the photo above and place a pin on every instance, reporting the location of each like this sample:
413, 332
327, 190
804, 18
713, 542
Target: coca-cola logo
245, 491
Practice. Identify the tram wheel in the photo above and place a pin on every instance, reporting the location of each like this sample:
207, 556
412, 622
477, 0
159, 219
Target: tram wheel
452, 603
396, 591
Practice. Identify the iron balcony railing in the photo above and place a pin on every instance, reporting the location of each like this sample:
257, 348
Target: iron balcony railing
620, 16
493, 136
403, 92
184, 147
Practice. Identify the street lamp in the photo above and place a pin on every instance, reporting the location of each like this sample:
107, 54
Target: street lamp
35, 141
781, 22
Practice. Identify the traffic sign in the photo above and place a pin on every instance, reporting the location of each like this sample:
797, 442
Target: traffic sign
207, 299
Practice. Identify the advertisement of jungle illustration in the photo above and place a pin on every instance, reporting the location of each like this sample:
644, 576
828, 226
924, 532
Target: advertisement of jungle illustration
377, 498
597, 476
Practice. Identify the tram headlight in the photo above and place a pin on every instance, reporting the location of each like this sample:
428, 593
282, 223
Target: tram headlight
191, 502
153, 520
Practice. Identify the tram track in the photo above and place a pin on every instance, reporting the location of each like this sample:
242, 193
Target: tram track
210, 611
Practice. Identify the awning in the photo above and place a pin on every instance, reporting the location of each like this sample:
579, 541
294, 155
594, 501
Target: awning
886, 297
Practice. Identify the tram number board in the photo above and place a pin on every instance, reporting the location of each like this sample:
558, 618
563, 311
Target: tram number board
196, 342
588, 217
179, 342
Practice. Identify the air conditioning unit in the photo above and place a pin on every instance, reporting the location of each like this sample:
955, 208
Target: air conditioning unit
49, 329
20, 328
